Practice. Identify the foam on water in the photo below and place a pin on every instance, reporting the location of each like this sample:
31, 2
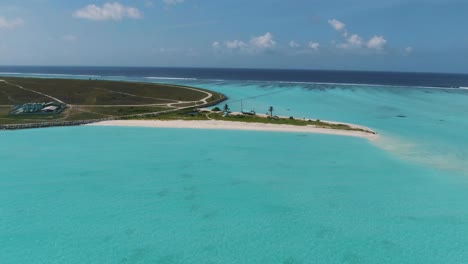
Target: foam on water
418, 153
171, 78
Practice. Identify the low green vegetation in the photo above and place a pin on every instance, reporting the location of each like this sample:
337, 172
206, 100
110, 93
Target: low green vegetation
120, 111
193, 115
189, 114
4, 110
6, 119
95, 92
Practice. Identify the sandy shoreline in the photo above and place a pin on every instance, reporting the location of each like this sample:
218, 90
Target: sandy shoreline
229, 125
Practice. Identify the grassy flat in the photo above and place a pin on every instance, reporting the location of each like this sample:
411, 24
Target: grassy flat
95, 99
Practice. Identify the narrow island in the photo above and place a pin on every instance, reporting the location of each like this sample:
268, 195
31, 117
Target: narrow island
36, 103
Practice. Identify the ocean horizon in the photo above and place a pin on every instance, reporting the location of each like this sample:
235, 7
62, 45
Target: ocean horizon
392, 78
147, 195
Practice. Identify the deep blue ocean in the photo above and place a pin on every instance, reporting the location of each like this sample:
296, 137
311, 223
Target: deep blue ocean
145, 195
268, 75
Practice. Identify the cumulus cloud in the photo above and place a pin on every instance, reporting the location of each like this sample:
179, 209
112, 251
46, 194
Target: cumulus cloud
337, 25
236, 44
10, 24
293, 44
109, 11
313, 45
354, 41
376, 42
256, 44
264, 42
173, 2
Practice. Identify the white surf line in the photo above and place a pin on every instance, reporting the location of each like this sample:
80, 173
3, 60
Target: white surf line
36, 92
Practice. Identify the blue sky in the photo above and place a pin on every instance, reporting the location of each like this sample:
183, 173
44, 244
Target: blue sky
395, 35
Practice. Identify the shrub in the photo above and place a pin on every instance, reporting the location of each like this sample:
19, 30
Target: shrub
318, 120
216, 109
292, 118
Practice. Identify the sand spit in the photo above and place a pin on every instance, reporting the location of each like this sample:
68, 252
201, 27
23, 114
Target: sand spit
230, 125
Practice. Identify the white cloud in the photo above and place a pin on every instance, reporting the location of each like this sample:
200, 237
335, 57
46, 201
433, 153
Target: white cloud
173, 2
377, 43
257, 44
264, 42
354, 41
10, 24
216, 44
109, 11
149, 4
337, 25
69, 38
294, 44
236, 44
409, 50
314, 45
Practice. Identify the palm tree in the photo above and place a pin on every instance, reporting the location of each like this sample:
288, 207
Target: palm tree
270, 109
226, 108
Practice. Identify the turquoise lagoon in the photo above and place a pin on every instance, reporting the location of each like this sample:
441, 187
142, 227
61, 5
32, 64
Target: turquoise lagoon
145, 195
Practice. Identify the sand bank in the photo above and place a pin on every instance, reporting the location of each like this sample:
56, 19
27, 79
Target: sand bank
229, 125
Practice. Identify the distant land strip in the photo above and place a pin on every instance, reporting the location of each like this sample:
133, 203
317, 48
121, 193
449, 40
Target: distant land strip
88, 101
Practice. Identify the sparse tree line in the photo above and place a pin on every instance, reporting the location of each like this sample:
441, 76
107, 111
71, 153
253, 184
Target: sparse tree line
226, 109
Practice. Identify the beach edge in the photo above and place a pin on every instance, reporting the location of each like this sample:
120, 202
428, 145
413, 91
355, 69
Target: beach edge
230, 125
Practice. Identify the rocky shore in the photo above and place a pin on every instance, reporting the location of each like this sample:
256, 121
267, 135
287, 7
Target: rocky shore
51, 124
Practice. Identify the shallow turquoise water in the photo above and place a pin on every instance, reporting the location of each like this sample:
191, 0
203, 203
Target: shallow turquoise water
432, 132
143, 195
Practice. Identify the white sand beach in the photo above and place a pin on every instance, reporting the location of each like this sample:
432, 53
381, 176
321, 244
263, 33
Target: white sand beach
229, 125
